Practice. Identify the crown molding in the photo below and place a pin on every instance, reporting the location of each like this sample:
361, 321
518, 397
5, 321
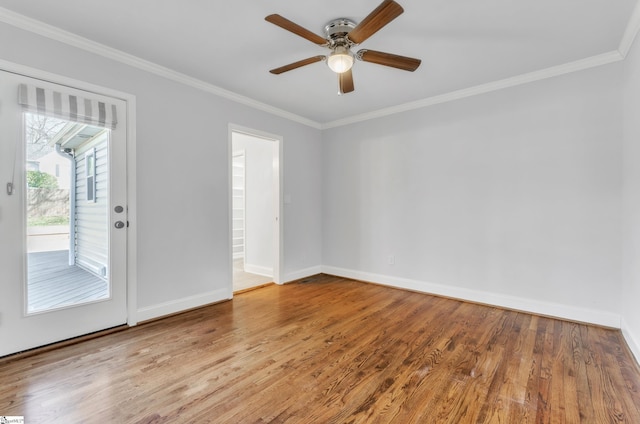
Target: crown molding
578, 65
632, 29
630, 32
54, 33
57, 34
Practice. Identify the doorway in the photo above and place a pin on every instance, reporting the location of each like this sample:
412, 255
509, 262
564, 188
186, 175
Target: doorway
255, 208
63, 255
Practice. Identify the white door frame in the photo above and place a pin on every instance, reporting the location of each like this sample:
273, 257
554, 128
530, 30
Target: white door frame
277, 191
130, 100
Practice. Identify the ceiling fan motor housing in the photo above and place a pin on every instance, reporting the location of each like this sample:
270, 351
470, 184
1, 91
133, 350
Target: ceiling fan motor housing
337, 30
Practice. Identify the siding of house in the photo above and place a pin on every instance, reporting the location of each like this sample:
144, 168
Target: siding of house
91, 218
58, 166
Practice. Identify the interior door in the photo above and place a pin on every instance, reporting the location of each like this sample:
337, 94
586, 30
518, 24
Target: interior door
70, 280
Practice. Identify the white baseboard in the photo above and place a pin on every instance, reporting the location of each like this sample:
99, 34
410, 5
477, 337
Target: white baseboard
568, 312
186, 303
302, 273
259, 270
632, 341
556, 310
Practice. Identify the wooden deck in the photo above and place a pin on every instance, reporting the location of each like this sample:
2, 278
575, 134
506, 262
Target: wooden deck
54, 284
331, 350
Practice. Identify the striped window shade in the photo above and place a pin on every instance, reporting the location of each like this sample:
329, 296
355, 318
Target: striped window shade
66, 106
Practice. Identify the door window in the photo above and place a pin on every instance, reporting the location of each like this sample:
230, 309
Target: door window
67, 239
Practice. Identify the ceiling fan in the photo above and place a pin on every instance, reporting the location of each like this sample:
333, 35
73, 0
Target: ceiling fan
340, 36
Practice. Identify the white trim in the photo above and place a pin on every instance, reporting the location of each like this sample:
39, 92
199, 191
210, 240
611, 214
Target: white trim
180, 305
630, 32
278, 190
632, 342
229, 283
302, 273
253, 132
46, 76
132, 213
259, 270
556, 310
554, 71
57, 34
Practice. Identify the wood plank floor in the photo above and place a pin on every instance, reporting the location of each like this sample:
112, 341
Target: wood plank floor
55, 284
330, 350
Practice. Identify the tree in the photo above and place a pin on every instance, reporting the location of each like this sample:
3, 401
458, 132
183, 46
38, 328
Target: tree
37, 179
40, 130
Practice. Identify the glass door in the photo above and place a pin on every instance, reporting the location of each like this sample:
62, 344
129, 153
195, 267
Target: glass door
62, 217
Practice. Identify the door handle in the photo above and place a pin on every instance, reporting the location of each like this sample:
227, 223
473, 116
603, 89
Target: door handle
119, 224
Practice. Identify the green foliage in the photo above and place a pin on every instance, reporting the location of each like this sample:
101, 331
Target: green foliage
37, 179
43, 221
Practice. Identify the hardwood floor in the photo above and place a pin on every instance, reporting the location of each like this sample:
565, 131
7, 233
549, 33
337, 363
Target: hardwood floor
331, 350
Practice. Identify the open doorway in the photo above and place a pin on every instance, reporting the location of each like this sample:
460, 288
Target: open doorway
255, 208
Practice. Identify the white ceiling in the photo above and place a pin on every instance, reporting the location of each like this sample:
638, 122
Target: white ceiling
462, 44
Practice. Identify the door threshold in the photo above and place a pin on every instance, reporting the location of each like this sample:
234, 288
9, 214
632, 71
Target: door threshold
57, 345
248, 289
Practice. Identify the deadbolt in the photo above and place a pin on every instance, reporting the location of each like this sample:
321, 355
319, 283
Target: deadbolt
118, 209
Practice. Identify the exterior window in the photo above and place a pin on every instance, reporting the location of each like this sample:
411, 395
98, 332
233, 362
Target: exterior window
90, 171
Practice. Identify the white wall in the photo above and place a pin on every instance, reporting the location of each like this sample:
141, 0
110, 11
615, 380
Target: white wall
631, 259
182, 168
511, 198
259, 202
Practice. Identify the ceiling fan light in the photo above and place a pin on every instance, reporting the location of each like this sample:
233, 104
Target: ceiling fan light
340, 60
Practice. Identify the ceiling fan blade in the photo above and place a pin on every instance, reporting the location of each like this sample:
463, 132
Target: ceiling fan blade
388, 59
345, 80
296, 29
381, 16
297, 64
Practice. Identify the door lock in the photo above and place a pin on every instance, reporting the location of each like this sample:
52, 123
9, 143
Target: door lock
119, 224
